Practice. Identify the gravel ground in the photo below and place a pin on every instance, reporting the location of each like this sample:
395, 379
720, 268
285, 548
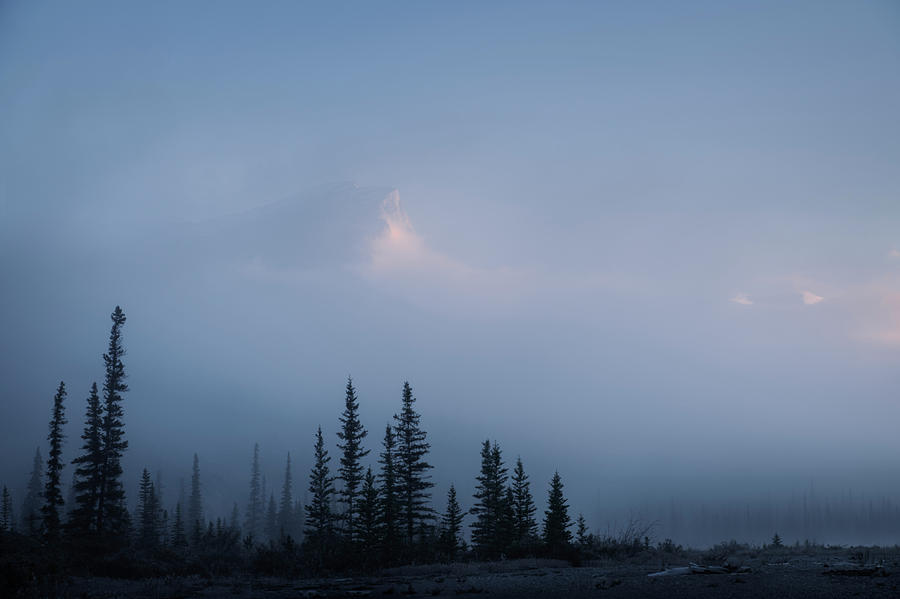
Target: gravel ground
621, 581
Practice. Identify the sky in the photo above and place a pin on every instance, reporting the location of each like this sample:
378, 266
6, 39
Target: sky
652, 245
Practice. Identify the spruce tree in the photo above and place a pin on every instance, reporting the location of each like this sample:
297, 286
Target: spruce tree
557, 535
286, 506
7, 519
112, 517
490, 509
390, 498
412, 480
89, 469
254, 505
53, 498
451, 525
523, 506
195, 503
319, 518
367, 528
350, 471
31, 506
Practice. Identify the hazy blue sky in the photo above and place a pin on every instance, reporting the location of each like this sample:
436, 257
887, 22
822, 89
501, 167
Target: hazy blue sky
654, 245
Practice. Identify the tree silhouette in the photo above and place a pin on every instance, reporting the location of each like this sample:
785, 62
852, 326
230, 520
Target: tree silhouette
412, 480
272, 519
179, 538
53, 499
254, 505
557, 535
490, 502
88, 469
319, 518
523, 506
286, 506
367, 529
195, 503
581, 531
112, 516
148, 513
506, 529
350, 471
389, 496
7, 519
34, 492
451, 525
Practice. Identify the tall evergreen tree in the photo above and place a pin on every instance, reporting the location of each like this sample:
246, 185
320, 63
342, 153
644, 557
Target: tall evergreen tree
89, 469
451, 525
254, 505
350, 471
53, 498
319, 517
31, 506
112, 517
7, 518
286, 506
390, 497
523, 506
412, 481
557, 535
490, 505
195, 503
367, 528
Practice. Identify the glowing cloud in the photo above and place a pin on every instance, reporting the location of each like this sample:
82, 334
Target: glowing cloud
399, 249
742, 299
810, 298
894, 253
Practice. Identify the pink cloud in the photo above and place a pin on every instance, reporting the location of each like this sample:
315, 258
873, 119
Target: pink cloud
742, 299
810, 298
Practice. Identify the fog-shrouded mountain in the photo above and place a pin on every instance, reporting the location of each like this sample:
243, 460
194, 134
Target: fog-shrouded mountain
243, 327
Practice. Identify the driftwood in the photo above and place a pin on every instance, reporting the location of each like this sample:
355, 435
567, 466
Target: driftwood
693, 568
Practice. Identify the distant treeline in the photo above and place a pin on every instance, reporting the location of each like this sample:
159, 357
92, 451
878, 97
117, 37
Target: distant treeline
356, 517
848, 518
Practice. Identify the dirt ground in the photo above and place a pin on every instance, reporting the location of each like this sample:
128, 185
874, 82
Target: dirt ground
784, 581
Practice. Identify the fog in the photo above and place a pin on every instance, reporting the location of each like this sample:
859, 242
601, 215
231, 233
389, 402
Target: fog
654, 249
